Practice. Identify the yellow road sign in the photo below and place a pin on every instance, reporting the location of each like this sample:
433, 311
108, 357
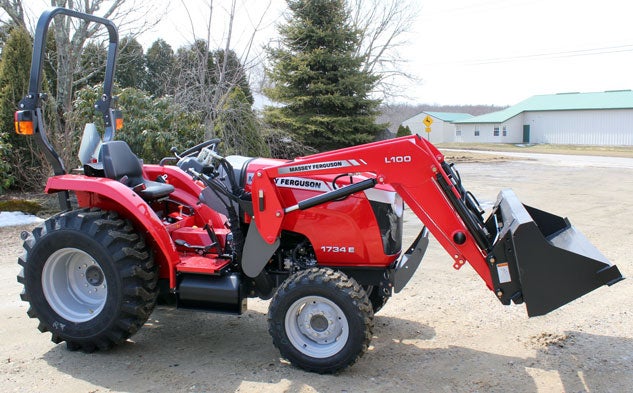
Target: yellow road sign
427, 122
427, 129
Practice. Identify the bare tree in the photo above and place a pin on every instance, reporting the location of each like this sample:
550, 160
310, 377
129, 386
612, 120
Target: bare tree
71, 36
216, 72
15, 11
383, 26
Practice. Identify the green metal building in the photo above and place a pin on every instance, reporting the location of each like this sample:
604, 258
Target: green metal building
603, 118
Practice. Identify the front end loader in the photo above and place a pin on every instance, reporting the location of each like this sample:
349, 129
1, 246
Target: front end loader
523, 254
321, 236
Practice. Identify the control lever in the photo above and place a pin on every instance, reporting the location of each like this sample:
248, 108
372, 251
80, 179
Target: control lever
199, 249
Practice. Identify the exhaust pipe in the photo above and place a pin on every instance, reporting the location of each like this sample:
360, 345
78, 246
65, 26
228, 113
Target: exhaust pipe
541, 259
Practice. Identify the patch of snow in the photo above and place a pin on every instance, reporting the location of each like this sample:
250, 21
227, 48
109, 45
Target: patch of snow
8, 219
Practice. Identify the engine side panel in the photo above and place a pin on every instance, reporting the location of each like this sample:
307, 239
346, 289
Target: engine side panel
344, 232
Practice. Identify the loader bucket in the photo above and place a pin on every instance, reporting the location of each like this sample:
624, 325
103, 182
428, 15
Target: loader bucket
541, 259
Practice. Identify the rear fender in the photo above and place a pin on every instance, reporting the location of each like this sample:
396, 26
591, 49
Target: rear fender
112, 195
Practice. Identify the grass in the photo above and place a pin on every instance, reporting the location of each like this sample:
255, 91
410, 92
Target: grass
21, 205
607, 151
36, 203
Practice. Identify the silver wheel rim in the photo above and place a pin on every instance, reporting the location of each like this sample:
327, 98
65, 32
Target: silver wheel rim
74, 285
317, 327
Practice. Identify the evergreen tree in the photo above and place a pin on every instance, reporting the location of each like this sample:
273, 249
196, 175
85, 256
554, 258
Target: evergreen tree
151, 126
93, 61
49, 82
14, 75
160, 67
194, 78
234, 73
5, 30
238, 127
21, 162
403, 131
204, 79
130, 70
319, 79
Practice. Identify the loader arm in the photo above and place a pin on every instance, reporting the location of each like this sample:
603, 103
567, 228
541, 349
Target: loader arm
412, 166
523, 254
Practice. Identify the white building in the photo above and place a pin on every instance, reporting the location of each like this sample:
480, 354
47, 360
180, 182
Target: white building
442, 128
604, 118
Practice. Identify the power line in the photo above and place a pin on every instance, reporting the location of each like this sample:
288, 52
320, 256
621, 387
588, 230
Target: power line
555, 55
479, 7
544, 56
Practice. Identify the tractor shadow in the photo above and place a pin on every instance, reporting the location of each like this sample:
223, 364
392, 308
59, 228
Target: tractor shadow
202, 352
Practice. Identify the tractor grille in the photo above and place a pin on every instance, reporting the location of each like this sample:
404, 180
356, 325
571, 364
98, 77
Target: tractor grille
390, 227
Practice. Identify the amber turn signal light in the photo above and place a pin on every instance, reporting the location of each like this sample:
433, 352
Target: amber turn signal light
118, 119
24, 122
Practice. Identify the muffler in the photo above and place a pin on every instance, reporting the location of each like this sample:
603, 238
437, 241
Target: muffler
541, 259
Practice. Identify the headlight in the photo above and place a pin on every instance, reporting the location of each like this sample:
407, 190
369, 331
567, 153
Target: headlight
389, 197
397, 205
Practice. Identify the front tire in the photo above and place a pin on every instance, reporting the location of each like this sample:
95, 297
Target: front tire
321, 320
89, 278
377, 297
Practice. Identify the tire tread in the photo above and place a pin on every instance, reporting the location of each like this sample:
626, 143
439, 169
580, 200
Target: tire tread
336, 281
132, 259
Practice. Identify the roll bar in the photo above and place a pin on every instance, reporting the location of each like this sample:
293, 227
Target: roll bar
31, 105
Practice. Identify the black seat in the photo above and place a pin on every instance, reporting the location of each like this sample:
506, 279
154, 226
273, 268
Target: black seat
120, 163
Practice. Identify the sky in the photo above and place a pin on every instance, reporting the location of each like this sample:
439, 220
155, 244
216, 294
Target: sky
496, 52
493, 52
501, 52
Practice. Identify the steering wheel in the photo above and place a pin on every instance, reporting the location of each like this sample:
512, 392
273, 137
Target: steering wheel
198, 148
190, 152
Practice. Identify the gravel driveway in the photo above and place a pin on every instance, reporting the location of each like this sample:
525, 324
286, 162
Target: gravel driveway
445, 332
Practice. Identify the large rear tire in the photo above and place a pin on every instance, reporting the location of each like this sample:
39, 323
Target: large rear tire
89, 278
321, 320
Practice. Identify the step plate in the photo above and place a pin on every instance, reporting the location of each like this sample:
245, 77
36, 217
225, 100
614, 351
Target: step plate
201, 264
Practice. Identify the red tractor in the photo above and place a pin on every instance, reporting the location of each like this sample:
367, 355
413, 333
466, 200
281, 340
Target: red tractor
319, 235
